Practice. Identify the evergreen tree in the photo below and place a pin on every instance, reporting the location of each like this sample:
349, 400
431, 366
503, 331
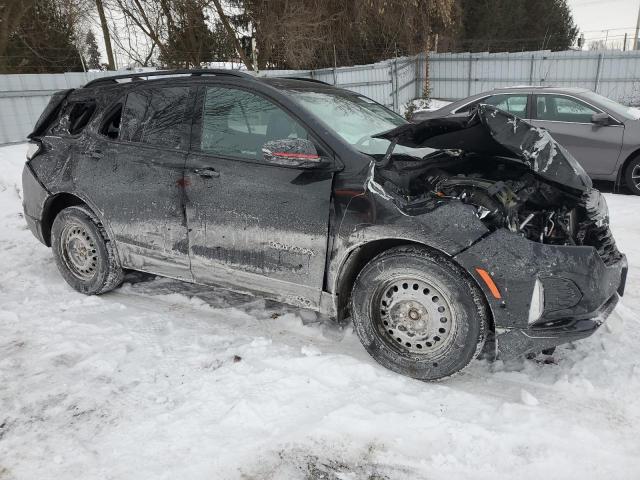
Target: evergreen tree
189, 40
515, 25
42, 42
92, 52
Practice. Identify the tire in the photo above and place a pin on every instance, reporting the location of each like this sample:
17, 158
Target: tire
633, 170
83, 253
418, 313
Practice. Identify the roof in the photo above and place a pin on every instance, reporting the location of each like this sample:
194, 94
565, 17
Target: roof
282, 82
550, 88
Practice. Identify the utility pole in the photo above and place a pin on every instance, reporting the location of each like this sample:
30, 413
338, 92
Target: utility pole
105, 34
635, 37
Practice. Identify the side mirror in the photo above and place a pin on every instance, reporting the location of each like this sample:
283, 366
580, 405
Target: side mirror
601, 119
292, 153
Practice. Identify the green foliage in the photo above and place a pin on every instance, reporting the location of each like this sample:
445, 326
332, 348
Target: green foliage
92, 53
193, 38
515, 25
42, 42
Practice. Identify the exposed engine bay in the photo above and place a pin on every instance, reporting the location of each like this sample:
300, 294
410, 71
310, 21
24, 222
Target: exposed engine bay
504, 196
508, 184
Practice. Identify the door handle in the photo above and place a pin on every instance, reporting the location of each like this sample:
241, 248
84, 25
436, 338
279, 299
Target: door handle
207, 172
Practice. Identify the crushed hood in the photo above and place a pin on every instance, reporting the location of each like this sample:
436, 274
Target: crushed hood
493, 132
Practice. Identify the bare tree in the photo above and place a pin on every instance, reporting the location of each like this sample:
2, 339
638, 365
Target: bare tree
11, 13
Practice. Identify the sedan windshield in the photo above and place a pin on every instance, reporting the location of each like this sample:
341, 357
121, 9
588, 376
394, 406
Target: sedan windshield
356, 119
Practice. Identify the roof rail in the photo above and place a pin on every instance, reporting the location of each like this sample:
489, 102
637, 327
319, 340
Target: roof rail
158, 73
304, 79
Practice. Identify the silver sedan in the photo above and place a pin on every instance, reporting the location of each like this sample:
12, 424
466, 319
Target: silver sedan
603, 135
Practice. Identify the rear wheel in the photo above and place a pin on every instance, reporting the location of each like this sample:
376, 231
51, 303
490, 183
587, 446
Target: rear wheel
632, 176
83, 252
418, 313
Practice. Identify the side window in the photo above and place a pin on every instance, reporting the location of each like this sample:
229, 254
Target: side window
111, 124
74, 117
155, 116
563, 109
237, 123
468, 107
514, 104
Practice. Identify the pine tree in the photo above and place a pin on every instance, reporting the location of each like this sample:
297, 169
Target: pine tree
92, 52
42, 42
515, 25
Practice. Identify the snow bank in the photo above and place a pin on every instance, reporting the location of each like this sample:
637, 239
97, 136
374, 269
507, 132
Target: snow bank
423, 105
160, 379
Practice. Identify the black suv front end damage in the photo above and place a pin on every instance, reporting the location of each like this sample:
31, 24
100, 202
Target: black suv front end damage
549, 266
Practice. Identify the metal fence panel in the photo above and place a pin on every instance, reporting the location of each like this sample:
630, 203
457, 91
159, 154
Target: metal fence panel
392, 82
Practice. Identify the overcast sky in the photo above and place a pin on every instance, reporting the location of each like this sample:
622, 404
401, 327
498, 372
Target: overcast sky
595, 17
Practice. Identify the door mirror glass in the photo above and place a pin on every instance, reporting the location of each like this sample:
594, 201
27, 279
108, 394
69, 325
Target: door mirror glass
601, 118
292, 153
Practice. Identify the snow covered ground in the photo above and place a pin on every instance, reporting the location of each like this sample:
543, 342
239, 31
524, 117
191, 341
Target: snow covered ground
164, 380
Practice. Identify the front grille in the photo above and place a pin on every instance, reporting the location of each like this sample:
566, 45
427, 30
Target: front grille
595, 231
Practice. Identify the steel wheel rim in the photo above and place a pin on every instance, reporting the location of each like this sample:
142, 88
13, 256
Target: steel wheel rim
79, 251
635, 176
414, 316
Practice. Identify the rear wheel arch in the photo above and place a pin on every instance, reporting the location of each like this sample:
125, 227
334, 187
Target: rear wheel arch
58, 202
53, 206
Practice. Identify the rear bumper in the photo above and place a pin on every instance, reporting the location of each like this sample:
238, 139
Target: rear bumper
33, 203
579, 290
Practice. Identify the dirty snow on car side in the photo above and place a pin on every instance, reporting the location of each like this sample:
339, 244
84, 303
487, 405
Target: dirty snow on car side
162, 379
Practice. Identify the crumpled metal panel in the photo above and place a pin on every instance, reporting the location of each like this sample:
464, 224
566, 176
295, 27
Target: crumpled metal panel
489, 131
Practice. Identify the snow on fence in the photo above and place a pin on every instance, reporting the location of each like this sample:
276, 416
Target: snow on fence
392, 82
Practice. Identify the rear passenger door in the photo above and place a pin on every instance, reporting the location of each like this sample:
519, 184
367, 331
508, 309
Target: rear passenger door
568, 119
134, 174
254, 226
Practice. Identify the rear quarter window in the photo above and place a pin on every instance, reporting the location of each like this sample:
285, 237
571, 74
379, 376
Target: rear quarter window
74, 117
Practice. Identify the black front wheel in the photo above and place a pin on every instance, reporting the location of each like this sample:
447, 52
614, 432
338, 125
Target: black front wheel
418, 313
83, 252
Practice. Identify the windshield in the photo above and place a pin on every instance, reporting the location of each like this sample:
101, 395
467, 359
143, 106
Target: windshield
628, 113
356, 119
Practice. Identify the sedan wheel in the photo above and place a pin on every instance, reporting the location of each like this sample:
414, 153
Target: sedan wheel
632, 176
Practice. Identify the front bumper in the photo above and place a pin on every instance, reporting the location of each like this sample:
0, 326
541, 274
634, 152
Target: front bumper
518, 342
580, 290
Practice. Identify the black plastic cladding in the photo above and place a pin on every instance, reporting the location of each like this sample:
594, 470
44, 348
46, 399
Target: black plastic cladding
279, 232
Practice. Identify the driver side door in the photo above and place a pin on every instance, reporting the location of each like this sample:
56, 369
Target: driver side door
596, 147
254, 226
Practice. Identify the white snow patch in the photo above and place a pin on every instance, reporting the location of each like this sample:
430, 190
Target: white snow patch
423, 105
161, 379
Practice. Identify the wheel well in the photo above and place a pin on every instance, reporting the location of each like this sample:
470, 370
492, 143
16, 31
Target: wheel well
360, 256
623, 168
52, 208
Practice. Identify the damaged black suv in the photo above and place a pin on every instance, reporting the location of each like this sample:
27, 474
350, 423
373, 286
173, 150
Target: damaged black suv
433, 238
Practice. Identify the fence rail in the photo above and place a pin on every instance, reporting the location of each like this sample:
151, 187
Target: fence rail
392, 82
